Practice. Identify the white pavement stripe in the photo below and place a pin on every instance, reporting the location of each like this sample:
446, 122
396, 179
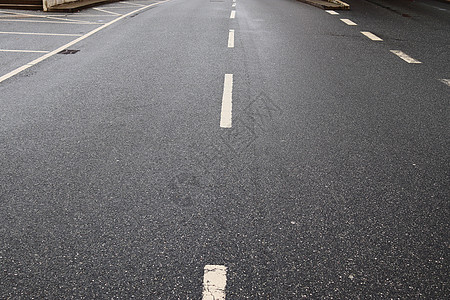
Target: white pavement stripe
214, 282
107, 11
233, 14
24, 51
53, 22
445, 81
349, 22
63, 47
371, 36
39, 33
233, 5
131, 3
332, 12
231, 39
227, 106
405, 57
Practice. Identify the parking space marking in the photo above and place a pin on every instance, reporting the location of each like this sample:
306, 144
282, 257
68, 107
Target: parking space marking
405, 57
53, 22
231, 38
23, 51
131, 3
226, 113
349, 22
214, 282
108, 12
63, 47
371, 36
39, 33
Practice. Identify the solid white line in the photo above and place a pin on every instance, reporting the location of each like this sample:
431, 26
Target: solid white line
233, 14
131, 3
226, 113
445, 81
405, 57
106, 11
24, 51
214, 282
332, 12
53, 22
38, 33
371, 36
349, 22
43, 57
231, 39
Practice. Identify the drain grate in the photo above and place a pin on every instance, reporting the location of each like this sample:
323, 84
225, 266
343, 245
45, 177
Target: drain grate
67, 51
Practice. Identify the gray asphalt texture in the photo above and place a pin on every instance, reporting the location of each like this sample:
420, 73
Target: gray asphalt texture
116, 181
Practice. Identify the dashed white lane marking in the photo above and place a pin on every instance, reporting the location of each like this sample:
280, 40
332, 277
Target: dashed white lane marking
445, 81
233, 5
214, 282
226, 113
233, 14
63, 47
23, 51
231, 39
349, 22
332, 12
107, 11
39, 33
234, 0
371, 36
405, 57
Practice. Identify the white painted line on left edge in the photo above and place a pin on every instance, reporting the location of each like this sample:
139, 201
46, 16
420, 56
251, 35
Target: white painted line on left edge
23, 51
405, 57
214, 282
332, 12
371, 36
63, 47
227, 105
233, 14
231, 39
39, 33
349, 22
445, 81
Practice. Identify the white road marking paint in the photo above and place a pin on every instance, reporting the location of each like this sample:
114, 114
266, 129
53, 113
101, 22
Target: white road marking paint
349, 22
445, 81
106, 11
233, 5
234, 0
53, 22
39, 33
131, 3
332, 12
233, 14
371, 36
231, 39
405, 57
63, 47
24, 51
214, 282
226, 113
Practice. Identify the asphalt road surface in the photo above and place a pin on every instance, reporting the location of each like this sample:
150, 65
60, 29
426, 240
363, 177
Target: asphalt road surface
187, 151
